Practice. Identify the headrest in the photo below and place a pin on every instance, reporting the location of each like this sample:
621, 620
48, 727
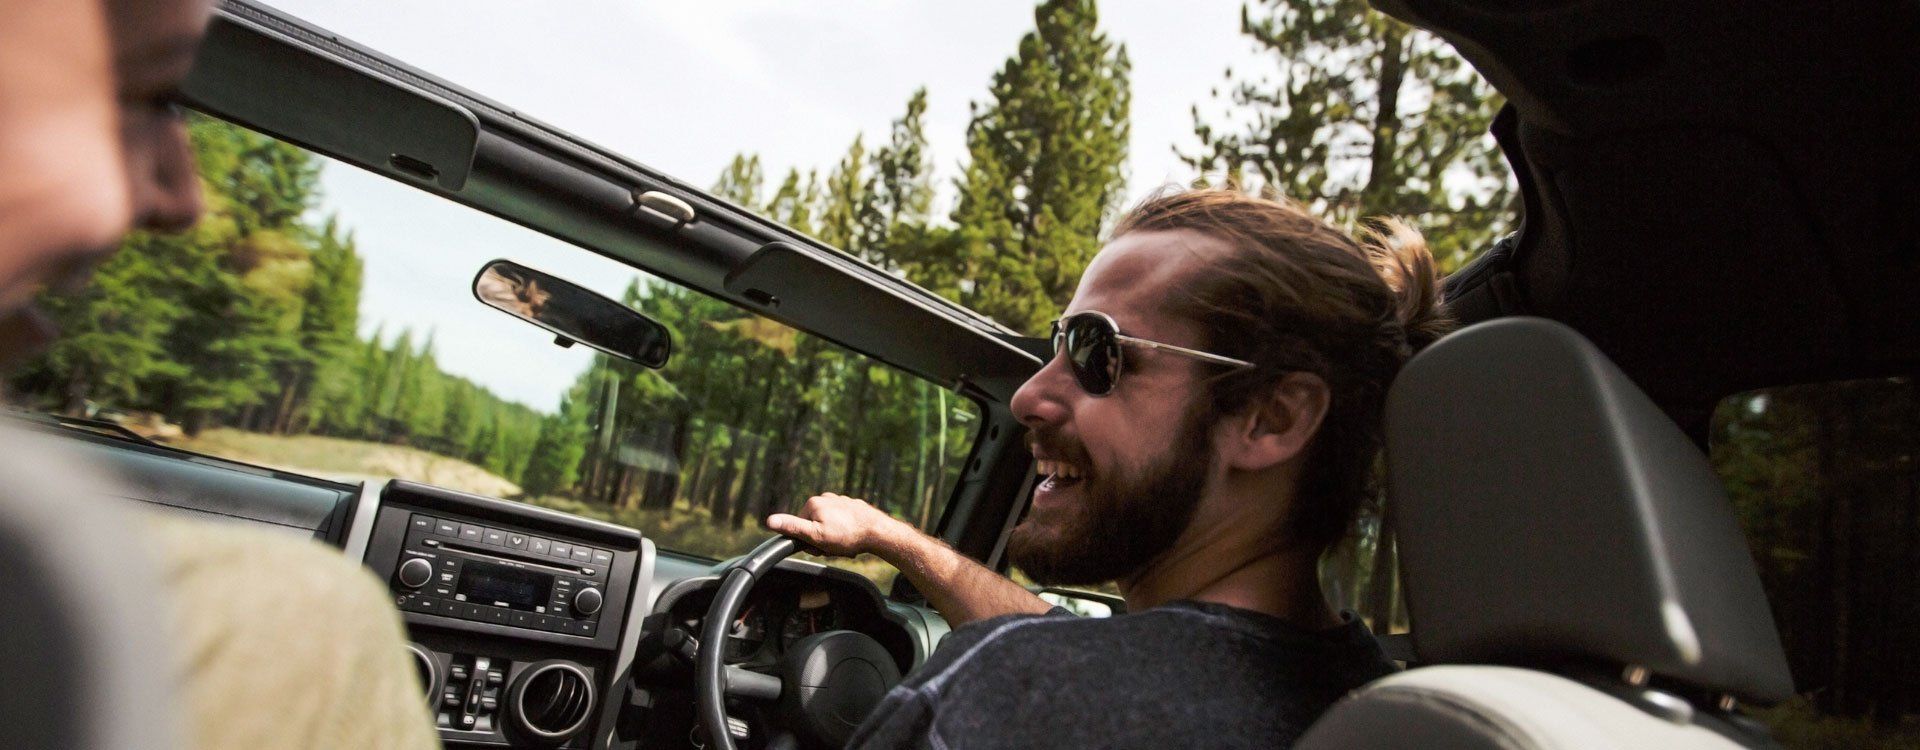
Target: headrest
1548, 513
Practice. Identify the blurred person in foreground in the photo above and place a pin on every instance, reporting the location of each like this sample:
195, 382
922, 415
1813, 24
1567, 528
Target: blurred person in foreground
298, 647
1205, 431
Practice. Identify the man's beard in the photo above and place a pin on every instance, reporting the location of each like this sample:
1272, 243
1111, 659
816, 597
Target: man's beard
1122, 520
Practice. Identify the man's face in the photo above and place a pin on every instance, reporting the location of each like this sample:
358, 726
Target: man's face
1143, 453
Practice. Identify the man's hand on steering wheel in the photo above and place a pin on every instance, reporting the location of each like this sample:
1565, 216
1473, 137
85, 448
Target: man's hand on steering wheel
840, 525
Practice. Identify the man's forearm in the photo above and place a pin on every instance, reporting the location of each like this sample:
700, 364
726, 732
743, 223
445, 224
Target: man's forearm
960, 588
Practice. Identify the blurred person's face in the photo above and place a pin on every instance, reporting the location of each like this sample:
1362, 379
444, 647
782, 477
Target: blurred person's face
63, 197
90, 142
154, 42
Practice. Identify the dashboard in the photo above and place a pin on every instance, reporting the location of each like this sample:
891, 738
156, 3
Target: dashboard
530, 627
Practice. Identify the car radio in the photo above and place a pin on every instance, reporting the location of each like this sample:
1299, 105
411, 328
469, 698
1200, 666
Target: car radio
503, 576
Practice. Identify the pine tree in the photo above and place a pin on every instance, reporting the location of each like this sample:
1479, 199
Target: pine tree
903, 169
555, 461
847, 211
1362, 116
1047, 155
742, 182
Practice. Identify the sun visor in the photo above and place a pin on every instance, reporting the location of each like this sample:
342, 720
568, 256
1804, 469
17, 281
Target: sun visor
813, 290
247, 75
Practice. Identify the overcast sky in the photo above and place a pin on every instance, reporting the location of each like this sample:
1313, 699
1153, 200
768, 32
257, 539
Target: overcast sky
682, 87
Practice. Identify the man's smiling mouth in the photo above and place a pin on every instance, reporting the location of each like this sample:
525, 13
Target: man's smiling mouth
1056, 476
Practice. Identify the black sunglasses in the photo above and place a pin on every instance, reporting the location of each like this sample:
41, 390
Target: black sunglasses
1092, 343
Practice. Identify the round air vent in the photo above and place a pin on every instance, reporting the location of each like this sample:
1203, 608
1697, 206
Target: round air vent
552, 700
429, 669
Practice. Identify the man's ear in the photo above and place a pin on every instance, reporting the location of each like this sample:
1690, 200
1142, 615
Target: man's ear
1275, 429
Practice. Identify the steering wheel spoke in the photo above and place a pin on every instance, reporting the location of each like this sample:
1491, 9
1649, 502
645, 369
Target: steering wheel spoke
746, 683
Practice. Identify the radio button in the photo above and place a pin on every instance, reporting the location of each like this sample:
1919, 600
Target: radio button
539, 546
587, 602
582, 554
471, 533
562, 550
415, 572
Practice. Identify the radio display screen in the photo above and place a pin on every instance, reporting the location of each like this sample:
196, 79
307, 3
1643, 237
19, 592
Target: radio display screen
502, 586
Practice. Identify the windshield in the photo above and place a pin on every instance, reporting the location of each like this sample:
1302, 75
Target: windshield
321, 320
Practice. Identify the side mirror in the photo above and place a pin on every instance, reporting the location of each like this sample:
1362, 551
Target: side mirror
572, 314
1083, 603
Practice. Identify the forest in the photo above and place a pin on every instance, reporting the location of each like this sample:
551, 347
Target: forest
250, 322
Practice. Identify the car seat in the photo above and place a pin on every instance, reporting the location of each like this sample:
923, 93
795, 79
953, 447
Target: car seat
1573, 570
83, 664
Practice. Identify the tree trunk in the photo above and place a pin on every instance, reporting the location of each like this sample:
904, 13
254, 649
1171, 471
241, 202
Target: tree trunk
1380, 587
748, 498
781, 467
283, 414
720, 493
1382, 181
858, 421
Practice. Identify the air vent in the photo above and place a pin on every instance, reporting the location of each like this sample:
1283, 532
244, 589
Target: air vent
553, 700
427, 667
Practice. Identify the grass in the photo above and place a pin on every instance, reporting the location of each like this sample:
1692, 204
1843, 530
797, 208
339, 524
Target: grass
1796, 725
348, 460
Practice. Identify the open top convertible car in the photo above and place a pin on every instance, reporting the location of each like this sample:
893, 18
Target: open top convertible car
1713, 271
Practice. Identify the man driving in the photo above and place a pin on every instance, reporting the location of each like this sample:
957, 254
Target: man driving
1206, 429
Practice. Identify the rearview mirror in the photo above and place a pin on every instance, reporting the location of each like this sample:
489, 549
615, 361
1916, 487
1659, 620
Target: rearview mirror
1082, 603
572, 314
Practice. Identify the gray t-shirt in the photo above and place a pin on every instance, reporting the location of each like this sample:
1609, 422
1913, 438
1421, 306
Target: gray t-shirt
1185, 675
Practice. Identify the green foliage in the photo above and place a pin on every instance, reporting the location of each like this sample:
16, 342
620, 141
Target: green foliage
1359, 116
250, 319
1824, 481
1046, 168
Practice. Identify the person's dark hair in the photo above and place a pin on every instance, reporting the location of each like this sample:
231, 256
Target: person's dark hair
1296, 294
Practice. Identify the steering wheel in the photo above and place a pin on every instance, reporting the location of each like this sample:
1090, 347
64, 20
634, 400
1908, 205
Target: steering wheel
828, 682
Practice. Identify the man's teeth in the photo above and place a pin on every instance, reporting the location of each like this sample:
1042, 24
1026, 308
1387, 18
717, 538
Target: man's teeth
1058, 470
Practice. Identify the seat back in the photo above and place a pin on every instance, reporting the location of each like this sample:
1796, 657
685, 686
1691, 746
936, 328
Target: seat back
83, 662
1557, 529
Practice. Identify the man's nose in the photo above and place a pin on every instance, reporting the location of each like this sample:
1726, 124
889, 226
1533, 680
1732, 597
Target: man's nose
167, 192
1043, 399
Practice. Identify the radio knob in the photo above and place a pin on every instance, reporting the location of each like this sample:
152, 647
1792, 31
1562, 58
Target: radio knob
587, 601
415, 573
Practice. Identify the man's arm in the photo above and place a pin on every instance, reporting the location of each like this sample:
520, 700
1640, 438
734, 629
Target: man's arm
961, 589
